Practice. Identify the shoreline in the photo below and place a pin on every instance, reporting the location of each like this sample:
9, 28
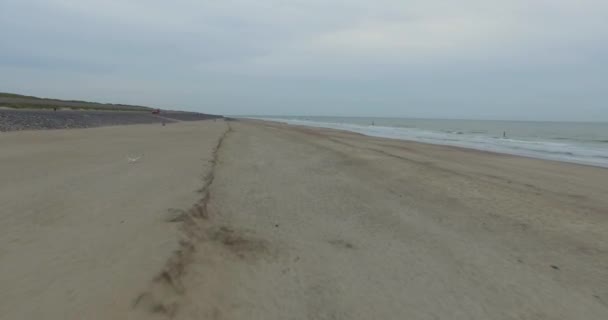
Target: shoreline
364, 130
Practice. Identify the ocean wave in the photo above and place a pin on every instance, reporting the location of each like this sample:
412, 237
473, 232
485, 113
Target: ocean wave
564, 150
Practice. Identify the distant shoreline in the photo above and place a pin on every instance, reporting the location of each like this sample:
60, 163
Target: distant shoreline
581, 143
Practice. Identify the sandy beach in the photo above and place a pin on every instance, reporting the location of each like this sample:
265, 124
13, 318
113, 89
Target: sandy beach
84, 230
258, 220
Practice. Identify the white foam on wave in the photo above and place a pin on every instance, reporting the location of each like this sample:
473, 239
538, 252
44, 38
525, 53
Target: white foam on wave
567, 151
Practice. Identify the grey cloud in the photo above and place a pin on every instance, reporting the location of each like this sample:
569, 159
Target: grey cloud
462, 59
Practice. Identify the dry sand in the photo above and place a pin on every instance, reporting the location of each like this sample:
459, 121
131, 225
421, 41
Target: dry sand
82, 230
293, 223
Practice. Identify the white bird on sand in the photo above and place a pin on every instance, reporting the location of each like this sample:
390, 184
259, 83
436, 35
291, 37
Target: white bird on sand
133, 159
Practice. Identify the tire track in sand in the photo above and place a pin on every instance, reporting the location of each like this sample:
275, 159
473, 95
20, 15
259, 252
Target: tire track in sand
166, 289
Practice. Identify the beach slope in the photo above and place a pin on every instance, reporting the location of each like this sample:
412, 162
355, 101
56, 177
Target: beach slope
259, 220
321, 224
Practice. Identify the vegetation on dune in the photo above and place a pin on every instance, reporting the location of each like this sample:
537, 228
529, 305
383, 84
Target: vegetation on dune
18, 101
14, 95
70, 107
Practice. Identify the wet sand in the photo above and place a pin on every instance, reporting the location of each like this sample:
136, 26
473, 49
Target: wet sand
257, 220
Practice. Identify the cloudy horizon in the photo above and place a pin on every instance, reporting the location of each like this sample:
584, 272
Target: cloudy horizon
517, 60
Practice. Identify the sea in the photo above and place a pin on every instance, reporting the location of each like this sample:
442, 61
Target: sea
577, 142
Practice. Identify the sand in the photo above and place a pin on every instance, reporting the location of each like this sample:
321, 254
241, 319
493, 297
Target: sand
293, 223
83, 230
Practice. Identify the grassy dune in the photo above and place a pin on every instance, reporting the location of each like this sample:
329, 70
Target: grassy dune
17, 101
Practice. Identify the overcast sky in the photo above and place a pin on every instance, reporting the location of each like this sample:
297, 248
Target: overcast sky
481, 59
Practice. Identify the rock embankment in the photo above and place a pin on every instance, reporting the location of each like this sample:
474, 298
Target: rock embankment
14, 120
